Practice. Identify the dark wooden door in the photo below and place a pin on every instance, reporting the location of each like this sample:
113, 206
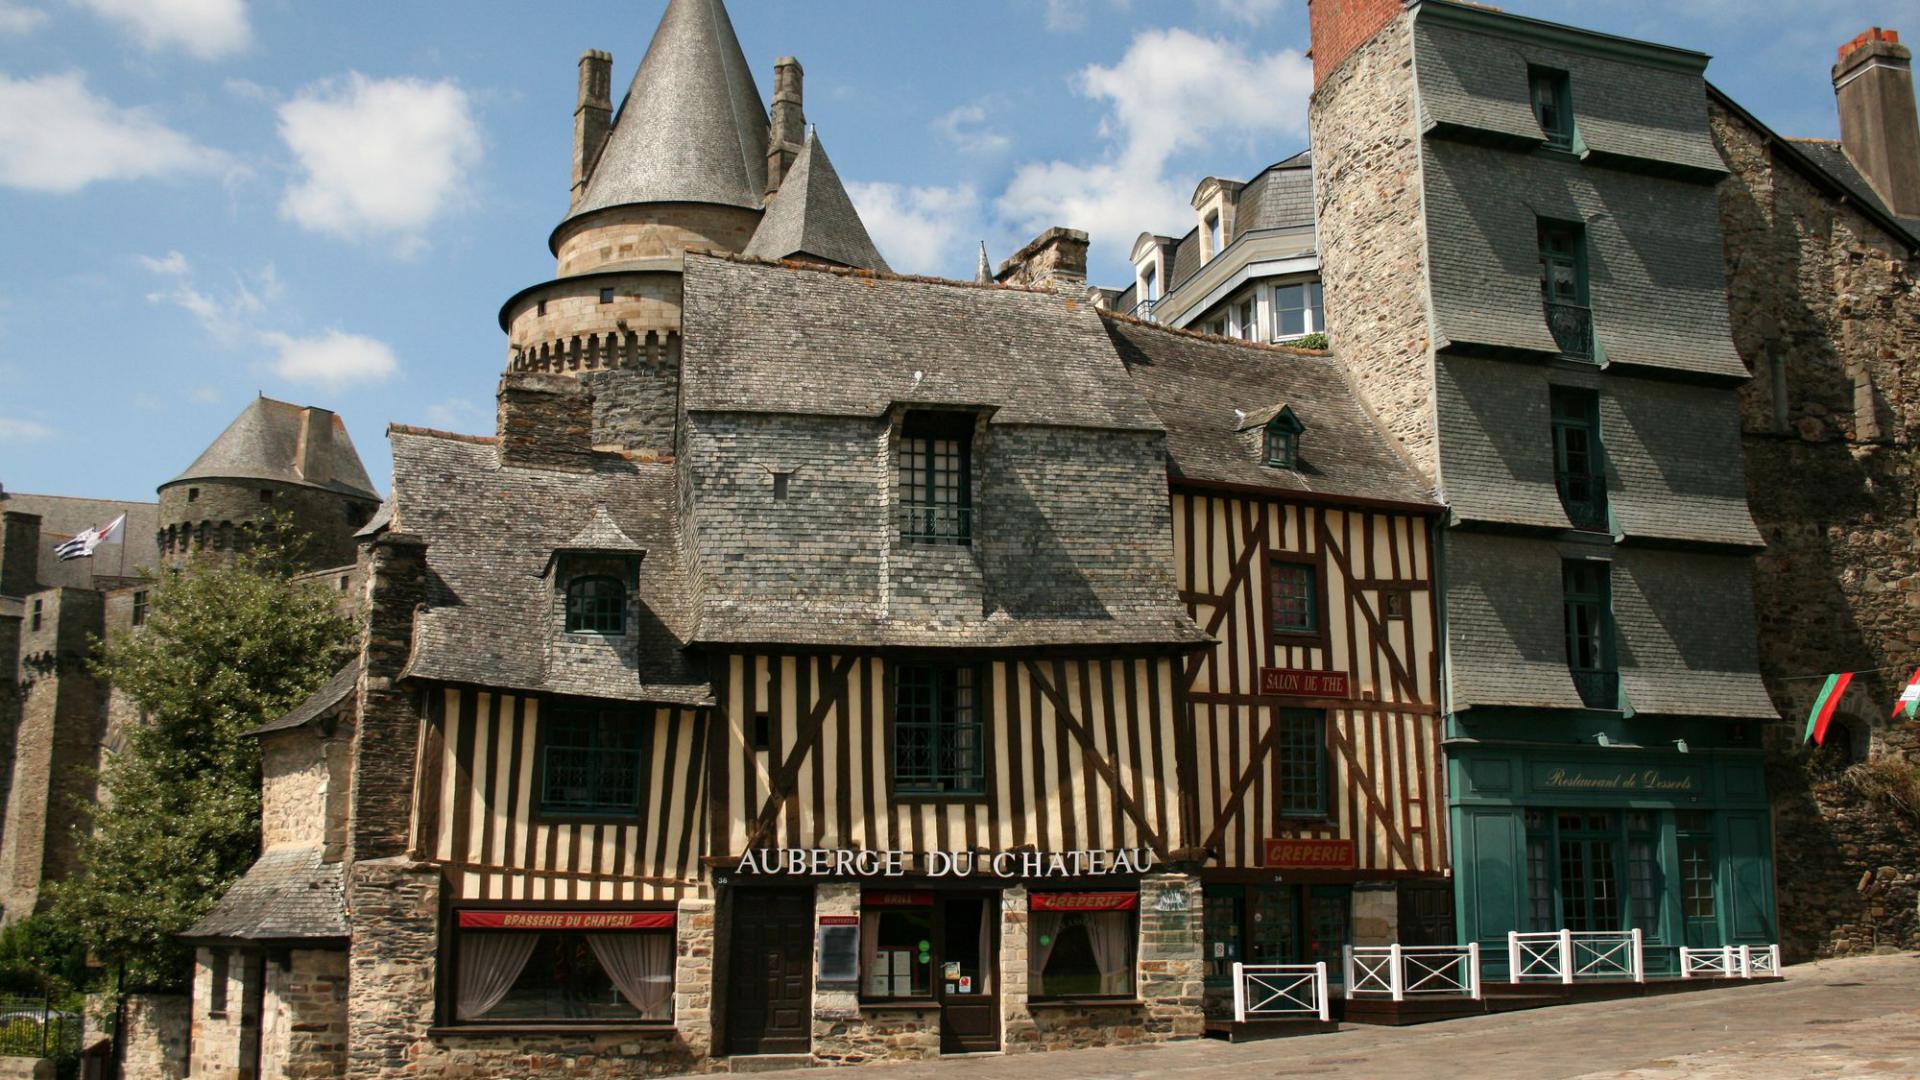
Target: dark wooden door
969, 932
770, 974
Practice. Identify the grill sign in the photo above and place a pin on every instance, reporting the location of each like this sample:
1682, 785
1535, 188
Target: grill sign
1302, 682
1291, 854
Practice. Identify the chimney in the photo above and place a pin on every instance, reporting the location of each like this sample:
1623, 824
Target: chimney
314, 455
787, 134
546, 421
19, 553
1054, 260
1878, 124
1337, 27
592, 117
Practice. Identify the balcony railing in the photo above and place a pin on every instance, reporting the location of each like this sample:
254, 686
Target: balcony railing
1572, 326
1588, 511
1598, 689
1144, 311
936, 523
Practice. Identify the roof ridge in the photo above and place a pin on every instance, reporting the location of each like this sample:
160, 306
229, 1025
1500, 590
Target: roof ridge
872, 275
1219, 339
437, 433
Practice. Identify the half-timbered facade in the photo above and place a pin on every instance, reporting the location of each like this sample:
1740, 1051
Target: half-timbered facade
1301, 545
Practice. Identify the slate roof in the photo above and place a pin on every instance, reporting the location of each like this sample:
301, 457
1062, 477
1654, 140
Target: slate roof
692, 127
811, 216
790, 339
288, 894
263, 443
1280, 197
1205, 390
62, 517
490, 532
331, 693
1832, 158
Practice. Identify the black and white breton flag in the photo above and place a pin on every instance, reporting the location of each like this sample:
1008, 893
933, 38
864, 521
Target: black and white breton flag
82, 545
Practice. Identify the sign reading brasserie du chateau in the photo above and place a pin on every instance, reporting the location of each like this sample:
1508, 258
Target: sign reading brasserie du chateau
842, 862
1303, 682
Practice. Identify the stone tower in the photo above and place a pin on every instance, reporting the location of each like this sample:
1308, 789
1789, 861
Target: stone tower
691, 161
275, 458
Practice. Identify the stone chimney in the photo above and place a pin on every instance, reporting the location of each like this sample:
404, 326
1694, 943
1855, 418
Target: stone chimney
1055, 260
592, 117
545, 422
1878, 124
787, 133
1337, 27
19, 553
314, 456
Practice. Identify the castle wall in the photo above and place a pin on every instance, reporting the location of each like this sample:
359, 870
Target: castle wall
206, 519
1826, 315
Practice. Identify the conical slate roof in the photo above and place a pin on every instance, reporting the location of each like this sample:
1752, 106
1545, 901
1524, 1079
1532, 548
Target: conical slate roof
812, 215
692, 127
263, 443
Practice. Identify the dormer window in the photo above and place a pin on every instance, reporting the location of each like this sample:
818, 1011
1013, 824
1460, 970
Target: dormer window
596, 605
1213, 234
936, 478
1283, 440
1552, 94
1149, 285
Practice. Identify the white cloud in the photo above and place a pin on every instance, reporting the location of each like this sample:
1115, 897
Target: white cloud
380, 159
229, 317
207, 29
14, 429
966, 127
333, 359
917, 229
1251, 12
56, 135
1173, 91
19, 19
172, 264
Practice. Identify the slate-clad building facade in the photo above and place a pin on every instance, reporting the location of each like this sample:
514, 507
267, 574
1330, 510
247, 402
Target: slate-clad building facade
1524, 273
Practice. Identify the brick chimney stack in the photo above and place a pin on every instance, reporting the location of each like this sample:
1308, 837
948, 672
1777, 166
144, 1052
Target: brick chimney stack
1878, 123
545, 421
314, 455
1337, 27
787, 133
592, 117
1054, 260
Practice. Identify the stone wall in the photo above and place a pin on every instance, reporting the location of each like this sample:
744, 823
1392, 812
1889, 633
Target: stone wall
1826, 315
1367, 177
1376, 914
394, 906
293, 789
154, 1036
847, 1033
303, 1026
387, 735
621, 234
209, 519
227, 985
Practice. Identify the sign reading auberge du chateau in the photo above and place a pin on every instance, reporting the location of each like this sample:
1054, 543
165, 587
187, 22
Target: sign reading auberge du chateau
844, 862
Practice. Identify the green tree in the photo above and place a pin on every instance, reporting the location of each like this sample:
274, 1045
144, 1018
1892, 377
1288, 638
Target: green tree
226, 648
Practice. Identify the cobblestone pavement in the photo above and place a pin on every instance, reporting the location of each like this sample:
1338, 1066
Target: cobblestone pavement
1854, 1017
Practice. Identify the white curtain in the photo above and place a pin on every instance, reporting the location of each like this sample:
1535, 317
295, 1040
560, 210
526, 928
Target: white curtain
641, 965
1109, 933
1043, 933
489, 964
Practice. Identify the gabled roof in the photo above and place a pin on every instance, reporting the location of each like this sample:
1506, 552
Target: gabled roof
1215, 397
263, 443
811, 216
322, 701
692, 127
602, 534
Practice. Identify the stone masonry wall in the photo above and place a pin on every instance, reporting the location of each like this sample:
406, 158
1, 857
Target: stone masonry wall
207, 519
293, 790
845, 1032
224, 1028
1826, 315
1367, 177
303, 1032
154, 1036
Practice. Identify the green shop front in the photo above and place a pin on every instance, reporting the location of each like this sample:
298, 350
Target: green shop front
1671, 840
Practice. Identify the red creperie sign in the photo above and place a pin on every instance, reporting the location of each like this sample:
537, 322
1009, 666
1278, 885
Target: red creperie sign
1292, 853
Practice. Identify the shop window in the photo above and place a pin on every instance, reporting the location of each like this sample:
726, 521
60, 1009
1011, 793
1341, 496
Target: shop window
1082, 944
590, 763
1302, 746
1298, 310
1589, 625
935, 463
596, 605
140, 607
896, 946
1552, 94
505, 975
1293, 601
1578, 467
938, 737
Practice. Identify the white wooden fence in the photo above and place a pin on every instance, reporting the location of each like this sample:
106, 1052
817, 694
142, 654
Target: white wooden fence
1565, 956
1730, 961
1281, 991
1402, 971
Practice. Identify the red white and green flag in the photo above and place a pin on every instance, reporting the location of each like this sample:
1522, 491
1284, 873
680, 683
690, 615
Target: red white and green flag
1823, 706
1909, 702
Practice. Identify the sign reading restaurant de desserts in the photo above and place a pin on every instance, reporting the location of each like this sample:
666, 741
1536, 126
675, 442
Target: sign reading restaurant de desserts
843, 862
1290, 853
1303, 682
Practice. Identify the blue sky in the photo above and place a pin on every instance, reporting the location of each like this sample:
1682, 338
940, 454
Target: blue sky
327, 202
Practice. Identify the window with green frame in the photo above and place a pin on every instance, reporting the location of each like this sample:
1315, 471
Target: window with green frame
596, 605
1564, 286
1551, 91
1283, 440
1302, 746
1589, 625
1578, 466
589, 762
938, 733
936, 478
1293, 601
